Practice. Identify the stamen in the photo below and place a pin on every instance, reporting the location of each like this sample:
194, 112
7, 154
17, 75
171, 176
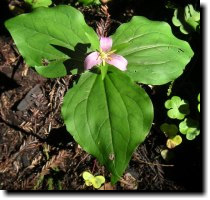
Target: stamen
111, 52
109, 58
105, 56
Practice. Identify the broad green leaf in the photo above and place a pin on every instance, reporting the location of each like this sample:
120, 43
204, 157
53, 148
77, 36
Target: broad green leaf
58, 35
109, 118
178, 108
173, 142
155, 56
38, 3
190, 128
169, 129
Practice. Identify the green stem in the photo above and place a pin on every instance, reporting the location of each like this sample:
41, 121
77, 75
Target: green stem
104, 69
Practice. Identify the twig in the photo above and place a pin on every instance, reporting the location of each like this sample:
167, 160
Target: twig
156, 164
80, 162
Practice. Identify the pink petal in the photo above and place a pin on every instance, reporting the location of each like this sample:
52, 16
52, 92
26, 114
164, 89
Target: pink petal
92, 60
118, 61
105, 43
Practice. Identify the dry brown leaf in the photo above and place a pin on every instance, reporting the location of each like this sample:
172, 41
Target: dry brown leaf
108, 186
129, 182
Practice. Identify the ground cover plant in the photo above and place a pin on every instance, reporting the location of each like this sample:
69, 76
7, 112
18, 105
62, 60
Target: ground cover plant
104, 84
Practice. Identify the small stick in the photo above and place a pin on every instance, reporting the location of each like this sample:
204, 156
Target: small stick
94, 164
80, 162
156, 164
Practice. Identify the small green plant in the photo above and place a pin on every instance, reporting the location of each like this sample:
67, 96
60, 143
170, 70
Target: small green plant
190, 128
171, 130
188, 19
167, 154
199, 102
178, 108
169, 91
39, 182
50, 181
91, 180
173, 142
90, 2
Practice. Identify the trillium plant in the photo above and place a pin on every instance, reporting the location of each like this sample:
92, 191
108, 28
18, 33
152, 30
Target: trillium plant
106, 112
105, 55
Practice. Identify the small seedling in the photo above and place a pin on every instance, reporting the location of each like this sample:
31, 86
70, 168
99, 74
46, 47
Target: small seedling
90, 2
171, 130
188, 19
167, 154
91, 180
190, 128
173, 142
178, 108
199, 102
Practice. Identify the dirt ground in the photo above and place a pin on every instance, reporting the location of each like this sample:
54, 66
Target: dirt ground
37, 153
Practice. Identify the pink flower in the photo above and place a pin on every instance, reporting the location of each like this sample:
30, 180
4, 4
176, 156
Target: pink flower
105, 55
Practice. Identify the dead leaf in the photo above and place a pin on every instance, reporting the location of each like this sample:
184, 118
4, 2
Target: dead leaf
108, 186
129, 182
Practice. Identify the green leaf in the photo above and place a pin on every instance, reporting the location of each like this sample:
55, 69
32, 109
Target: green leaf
187, 19
173, 142
95, 181
169, 129
50, 183
190, 128
109, 118
90, 2
199, 102
103, 71
98, 181
175, 20
178, 108
38, 3
58, 35
87, 176
155, 56
167, 154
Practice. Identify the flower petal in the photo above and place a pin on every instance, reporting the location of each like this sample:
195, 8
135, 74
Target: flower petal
118, 61
92, 60
105, 43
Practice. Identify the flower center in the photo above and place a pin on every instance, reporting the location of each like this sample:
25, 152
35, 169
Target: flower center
105, 56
